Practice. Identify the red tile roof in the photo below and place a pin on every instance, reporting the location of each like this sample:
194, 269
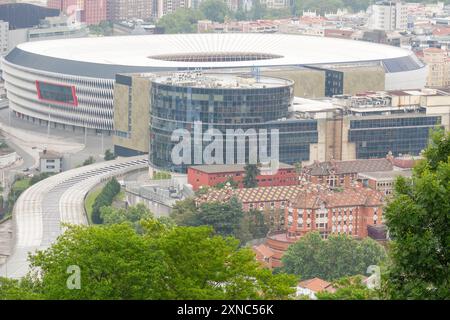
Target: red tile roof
307, 195
317, 285
263, 250
346, 167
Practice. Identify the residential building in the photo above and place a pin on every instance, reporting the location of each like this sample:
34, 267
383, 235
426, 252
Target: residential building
264, 255
94, 11
4, 32
233, 5
276, 4
311, 287
338, 33
50, 161
438, 63
293, 211
61, 27
63, 5
388, 16
350, 211
308, 207
342, 173
118, 10
91, 11
168, 6
211, 175
382, 181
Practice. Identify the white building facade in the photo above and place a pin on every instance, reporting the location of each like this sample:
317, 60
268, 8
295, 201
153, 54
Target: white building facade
4, 43
388, 16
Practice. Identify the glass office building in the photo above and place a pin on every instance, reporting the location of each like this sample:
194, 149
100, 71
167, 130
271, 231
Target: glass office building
400, 134
225, 102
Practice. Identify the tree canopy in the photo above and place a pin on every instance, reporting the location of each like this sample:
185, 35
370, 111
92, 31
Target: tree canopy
105, 198
328, 6
180, 21
226, 218
418, 219
109, 155
251, 172
214, 10
165, 262
132, 215
333, 258
349, 288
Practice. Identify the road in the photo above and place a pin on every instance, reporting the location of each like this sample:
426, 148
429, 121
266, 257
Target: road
32, 138
42, 208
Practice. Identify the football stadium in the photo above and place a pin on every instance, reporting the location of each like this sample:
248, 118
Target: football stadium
71, 82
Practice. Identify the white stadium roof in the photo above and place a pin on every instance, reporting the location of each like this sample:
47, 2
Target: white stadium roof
139, 50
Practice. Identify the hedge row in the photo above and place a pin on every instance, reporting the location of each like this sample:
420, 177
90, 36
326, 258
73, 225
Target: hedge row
105, 198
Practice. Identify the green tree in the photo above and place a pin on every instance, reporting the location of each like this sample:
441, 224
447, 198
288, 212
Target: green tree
258, 226
165, 262
298, 167
23, 289
230, 182
132, 215
109, 155
115, 263
418, 219
257, 11
184, 212
180, 21
225, 218
104, 28
88, 161
41, 176
214, 10
349, 288
333, 258
251, 172
105, 198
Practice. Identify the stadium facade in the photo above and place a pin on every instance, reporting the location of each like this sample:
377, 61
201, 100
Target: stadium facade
71, 82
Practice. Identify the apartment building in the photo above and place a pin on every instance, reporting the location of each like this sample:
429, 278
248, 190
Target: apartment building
118, 10
388, 16
438, 63
4, 30
168, 6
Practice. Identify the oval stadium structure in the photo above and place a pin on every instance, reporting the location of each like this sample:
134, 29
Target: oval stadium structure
71, 82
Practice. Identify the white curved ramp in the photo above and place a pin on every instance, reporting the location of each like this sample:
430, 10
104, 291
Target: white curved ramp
42, 208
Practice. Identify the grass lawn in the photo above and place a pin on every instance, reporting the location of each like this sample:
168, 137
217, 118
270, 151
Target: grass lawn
21, 184
89, 201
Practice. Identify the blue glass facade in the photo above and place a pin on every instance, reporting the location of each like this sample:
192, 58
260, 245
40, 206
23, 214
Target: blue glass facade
375, 137
178, 107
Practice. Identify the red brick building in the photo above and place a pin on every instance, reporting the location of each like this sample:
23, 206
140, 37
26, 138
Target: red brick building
342, 173
350, 211
94, 12
211, 175
305, 208
62, 5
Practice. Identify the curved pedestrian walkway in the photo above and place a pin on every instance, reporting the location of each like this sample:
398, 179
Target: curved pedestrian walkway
42, 208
